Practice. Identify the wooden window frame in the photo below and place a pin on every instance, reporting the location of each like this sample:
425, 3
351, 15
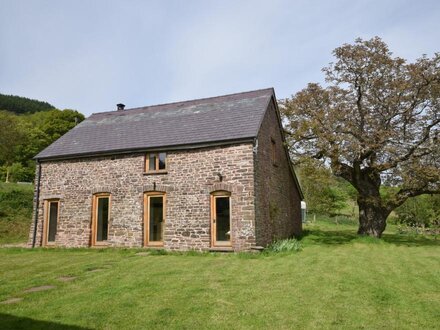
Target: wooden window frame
147, 195
46, 217
96, 197
214, 242
156, 170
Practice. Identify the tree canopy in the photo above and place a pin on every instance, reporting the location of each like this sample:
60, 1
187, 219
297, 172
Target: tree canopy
325, 194
26, 130
376, 122
22, 105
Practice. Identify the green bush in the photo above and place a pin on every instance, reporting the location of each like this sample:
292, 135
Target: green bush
420, 211
285, 245
323, 192
18, 173
16, 202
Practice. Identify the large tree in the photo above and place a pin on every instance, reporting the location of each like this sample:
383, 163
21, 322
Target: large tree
376, 122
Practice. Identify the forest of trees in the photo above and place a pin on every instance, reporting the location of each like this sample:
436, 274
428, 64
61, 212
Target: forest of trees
23, 105
27, 127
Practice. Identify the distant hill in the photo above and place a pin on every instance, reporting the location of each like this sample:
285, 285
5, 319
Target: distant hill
22, 105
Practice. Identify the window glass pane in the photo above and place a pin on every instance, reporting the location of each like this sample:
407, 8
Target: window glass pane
152, 162
156, 218
222, 219
162, 160
53, 221
102, 225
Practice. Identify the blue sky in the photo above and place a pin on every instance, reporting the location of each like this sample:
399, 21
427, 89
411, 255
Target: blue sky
90, 55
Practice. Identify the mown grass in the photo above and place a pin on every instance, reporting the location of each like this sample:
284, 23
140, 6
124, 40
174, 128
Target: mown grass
15, 212
337, 281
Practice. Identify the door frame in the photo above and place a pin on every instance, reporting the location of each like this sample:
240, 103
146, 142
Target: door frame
214, 242
94, 225
147, 195
46, 219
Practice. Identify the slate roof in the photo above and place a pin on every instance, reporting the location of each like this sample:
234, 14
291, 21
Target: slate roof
204, 121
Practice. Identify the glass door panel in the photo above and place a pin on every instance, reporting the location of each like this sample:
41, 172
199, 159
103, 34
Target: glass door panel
156, 219
53, 221
102, 225
221, 220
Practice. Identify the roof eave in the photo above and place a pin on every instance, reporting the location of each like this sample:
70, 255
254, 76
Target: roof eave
150, 149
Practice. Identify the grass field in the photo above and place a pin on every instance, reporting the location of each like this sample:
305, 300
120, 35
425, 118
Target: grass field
337, 281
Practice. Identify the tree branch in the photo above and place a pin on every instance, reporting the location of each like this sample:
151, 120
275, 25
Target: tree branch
411, 150
403, 194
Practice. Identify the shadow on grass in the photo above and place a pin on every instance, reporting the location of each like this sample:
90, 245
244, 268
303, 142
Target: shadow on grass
15, 322
410, 240
317, 236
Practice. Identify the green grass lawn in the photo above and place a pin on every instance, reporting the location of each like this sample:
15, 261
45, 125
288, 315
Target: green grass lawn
337, 281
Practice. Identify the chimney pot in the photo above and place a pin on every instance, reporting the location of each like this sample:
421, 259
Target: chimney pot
120, 106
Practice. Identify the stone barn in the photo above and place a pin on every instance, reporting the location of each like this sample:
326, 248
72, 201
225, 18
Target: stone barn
212, 174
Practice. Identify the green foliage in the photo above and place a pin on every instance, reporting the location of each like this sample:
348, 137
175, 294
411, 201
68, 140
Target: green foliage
26, 135
334, 199
15, 212
22, 105
17, 172
420, 211
285, 245
374, 122
10, 136
55, 123
323, 192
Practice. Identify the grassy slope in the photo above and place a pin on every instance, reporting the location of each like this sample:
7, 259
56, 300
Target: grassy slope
338, 281
15, 212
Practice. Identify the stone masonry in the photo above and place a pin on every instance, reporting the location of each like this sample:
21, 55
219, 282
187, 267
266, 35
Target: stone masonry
278, 201
190, 178
265, 200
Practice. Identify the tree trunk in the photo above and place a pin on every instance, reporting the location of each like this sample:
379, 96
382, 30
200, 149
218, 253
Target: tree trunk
7, 174
372, 216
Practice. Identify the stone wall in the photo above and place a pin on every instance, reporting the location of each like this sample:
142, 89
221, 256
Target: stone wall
191, 177
278, 209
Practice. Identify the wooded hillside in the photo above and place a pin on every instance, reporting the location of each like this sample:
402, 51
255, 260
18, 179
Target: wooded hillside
27, 127
23, 105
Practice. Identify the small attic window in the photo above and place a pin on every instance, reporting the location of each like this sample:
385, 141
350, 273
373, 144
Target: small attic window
273, 151
156, 162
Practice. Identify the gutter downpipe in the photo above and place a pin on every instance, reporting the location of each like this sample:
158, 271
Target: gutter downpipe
37, 203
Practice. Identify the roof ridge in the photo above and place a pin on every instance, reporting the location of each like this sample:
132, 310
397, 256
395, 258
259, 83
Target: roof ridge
186, 101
